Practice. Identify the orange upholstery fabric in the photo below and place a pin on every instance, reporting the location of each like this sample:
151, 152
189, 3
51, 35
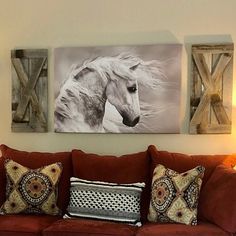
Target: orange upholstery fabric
2, 182
202, 229
218, 202
24, 225
35, 160
85, 227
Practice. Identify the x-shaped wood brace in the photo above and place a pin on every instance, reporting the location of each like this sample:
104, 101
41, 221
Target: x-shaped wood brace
28, 93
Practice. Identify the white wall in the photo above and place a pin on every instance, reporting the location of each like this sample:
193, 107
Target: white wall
55, 23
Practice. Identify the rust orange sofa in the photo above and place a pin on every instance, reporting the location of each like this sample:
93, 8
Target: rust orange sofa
217, 208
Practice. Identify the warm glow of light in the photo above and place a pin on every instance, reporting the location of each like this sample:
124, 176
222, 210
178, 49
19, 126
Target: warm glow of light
234, 100
230, 161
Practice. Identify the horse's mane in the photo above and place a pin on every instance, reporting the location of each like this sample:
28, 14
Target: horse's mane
148, 73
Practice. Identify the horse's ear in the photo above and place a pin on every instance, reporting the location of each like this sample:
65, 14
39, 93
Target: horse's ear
88, 69
134, 67
84, 71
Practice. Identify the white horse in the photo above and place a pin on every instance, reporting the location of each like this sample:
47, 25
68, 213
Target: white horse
80, 105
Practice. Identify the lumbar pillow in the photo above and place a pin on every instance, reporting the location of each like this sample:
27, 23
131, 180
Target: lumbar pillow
31, 191
174, 196
107, 201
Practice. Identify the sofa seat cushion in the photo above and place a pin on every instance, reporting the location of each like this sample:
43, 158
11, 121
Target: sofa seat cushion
126, 169
24, 225
84, 227
35, 160
202, 229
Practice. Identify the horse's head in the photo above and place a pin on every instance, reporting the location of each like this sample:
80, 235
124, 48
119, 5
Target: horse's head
122, 92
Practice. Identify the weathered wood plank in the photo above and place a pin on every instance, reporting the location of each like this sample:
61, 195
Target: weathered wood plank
204, 103
219, 110
196, 91
217, 48
203, 70
206, 111
29, 53
26, 127
215, 60
214, 129
225, 58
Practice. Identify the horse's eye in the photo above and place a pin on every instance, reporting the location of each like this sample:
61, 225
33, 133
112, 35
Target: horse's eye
76, 77
132, 89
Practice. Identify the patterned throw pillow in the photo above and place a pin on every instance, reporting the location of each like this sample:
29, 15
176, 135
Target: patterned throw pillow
31, 191
106, 201
174, 196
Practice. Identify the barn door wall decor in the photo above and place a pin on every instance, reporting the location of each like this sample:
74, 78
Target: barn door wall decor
29, 90
211, 93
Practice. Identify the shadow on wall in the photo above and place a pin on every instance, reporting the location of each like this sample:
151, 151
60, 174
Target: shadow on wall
123, 39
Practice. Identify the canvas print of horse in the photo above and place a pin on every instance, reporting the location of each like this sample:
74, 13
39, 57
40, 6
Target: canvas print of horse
118, 89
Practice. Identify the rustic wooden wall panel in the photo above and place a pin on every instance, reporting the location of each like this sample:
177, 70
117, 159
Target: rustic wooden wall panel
211, 93
29, 90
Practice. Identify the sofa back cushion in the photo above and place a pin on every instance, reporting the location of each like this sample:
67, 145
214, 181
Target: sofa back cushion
181, 163
218, 203
125, 169
35, 160
2, 182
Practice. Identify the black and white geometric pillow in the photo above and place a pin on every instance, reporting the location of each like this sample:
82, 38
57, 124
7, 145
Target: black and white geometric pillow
106, 201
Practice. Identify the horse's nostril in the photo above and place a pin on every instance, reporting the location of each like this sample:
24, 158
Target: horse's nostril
136, 120
131, 123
